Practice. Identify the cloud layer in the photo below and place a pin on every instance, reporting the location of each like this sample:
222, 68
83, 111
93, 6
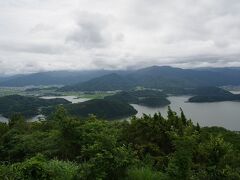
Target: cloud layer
41, 35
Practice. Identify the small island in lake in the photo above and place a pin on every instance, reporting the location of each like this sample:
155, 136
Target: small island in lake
101, 108
213, 94
151, 98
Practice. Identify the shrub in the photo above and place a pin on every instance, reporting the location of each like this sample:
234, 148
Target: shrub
39, 168
144, 173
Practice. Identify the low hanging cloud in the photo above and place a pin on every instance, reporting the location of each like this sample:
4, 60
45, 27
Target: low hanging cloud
44, 35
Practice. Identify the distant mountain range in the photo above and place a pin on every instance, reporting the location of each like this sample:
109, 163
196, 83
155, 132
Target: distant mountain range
150, 77
51, 78
159, 78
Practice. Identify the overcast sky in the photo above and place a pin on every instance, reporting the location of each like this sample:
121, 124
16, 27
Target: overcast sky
41, 35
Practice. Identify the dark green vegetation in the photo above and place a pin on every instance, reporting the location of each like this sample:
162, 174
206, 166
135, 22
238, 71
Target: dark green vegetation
204, 94
214, 98
101, 108
32, 106
213, 94
150, 98
146, 148
160, 78
116, 106
27, 106
111, 107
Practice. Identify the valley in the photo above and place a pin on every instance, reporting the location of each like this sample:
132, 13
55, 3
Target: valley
199, 103
119, 90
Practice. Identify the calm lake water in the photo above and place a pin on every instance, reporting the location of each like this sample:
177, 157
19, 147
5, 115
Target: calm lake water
225, 114
235, 92
73, 99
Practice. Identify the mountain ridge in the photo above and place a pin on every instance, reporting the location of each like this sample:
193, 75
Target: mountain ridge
160, 77
150, 77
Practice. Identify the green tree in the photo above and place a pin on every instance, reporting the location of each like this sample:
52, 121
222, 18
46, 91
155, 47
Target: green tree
17, 121
102, 156
180, 164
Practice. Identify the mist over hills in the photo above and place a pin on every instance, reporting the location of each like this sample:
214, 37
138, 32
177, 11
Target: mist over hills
51, 78
161, 77
150, 77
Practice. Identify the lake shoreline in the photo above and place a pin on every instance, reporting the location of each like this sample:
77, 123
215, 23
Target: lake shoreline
223, 114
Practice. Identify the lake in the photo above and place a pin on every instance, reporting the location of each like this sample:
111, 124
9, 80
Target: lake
225, 114
73, 99
3, 119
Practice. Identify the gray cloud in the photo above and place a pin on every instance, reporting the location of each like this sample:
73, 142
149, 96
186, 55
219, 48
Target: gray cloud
39, 35
90, 31
41, 48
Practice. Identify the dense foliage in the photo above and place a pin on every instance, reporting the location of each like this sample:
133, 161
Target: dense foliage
27, 106
65, 148
152, 98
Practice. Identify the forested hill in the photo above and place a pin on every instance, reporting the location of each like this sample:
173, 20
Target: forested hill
27, 106
32, 106
213, 94
161, 77
149, 98
101, 108
204, 94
